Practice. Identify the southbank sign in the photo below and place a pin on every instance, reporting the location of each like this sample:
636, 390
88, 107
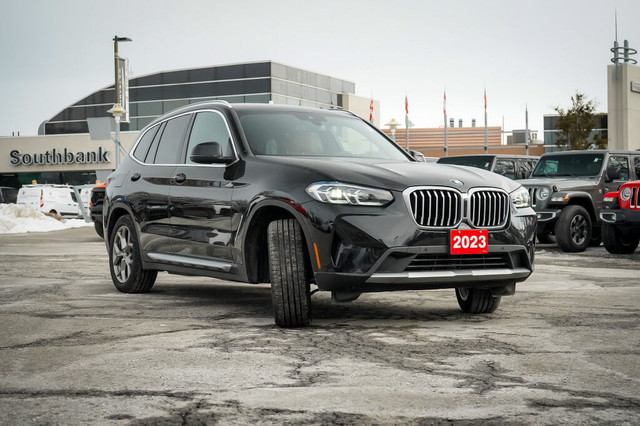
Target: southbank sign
56, 156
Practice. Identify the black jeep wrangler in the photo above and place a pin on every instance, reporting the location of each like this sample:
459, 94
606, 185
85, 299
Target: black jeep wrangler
567, 191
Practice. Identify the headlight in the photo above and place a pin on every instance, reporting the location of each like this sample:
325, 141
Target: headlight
520, 198
625, 194
543, 193
342, 193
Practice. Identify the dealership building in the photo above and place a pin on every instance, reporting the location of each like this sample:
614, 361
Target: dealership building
64, 151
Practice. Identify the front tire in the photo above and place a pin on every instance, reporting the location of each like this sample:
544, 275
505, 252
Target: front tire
617, 242
477, 300
573, 229
125, 263
290, 289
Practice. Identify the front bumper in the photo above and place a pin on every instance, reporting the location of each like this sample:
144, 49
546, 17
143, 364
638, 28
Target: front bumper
384, 249
96, 213
547, 215
621, 217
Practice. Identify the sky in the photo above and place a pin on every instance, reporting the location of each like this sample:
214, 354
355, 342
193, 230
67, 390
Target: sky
531, 54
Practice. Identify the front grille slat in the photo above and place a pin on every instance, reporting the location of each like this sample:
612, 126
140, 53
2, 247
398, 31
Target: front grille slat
533, 192
443, 207
489, 208
435, 207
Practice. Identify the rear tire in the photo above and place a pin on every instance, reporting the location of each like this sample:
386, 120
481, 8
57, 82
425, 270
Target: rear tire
544, 236
99, 230
573, 229
477, 300
616, 242
125, 263
289, 285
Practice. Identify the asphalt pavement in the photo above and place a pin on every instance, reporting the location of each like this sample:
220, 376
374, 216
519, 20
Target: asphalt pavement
74, 351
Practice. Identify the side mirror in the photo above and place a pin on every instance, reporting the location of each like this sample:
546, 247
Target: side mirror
208, 153
612, 174
417, 155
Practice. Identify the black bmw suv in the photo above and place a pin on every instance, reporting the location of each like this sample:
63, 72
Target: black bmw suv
299, 197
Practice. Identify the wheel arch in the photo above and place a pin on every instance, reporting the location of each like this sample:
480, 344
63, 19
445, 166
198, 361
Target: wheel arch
115, 213
254, 241
584, 201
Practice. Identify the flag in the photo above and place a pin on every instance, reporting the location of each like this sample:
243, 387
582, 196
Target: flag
485, 99
444, 103
406, 104
371, 111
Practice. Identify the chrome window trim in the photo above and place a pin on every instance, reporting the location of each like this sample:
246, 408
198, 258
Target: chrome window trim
159, 123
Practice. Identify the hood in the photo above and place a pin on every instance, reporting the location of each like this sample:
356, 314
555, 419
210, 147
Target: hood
396, 175
563, 184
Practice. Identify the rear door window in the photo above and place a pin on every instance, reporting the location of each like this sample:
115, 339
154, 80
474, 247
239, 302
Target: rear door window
620, 164
170, 144
505, 168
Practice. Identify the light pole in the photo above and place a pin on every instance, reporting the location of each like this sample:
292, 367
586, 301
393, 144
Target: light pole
393, 125
117, 110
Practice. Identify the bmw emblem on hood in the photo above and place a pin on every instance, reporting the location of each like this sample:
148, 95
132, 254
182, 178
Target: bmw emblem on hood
457, 182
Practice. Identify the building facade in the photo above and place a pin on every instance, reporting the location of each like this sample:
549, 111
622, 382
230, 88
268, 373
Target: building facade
64, 152
551, 131
431, 142
153, 95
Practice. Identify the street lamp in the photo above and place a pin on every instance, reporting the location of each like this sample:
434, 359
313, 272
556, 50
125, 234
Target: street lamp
393, 125
117, 110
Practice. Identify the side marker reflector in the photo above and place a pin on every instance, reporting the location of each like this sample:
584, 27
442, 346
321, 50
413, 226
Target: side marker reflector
315, 247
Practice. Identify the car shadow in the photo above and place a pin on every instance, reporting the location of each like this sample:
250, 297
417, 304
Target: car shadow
249, 301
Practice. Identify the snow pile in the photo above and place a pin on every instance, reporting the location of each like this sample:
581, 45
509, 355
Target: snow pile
15, 219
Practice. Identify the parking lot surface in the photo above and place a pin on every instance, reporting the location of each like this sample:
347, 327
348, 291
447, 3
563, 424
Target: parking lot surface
73, 350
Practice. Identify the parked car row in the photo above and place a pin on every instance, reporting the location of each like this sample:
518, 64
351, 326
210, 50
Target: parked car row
297, 197
567, 191
59, 200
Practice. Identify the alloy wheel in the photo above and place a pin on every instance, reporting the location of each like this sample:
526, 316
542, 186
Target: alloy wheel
578, 229
122, 254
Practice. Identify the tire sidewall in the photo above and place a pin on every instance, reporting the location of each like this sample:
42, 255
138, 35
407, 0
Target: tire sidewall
615, 242
564, 229
131, 285
289, 285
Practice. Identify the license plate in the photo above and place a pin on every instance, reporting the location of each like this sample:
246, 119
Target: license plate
469, 241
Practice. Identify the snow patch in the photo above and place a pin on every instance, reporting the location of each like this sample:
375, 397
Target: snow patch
22, 218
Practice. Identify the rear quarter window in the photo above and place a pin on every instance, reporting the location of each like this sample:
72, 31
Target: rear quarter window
142, 149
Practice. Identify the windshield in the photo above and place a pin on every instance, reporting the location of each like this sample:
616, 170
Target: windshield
292, 133
579, 164
473, 161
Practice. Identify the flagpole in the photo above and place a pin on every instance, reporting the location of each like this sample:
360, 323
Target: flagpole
526, 135
406, 119
486, 142
444, 110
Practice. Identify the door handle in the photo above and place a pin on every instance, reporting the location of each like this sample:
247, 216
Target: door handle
179, 178
135, 177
